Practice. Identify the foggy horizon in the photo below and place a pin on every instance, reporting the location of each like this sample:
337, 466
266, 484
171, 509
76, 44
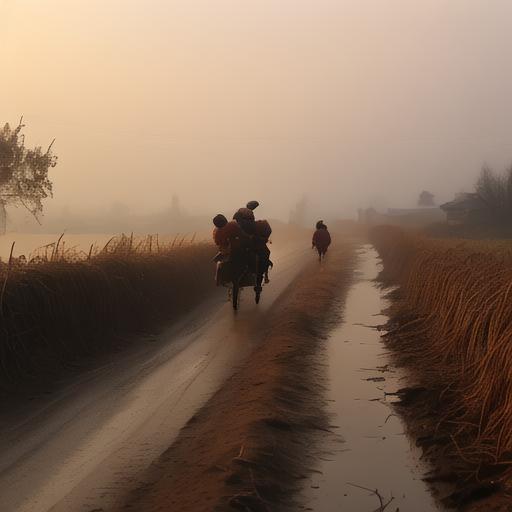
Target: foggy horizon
275, 272
350, 103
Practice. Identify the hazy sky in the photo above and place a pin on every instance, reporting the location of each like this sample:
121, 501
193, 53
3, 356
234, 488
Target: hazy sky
221, 101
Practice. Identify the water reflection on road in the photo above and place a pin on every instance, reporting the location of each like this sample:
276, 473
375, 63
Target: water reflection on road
372, 450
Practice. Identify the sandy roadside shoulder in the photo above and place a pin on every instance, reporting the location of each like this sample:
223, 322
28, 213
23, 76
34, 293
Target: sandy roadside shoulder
253, 444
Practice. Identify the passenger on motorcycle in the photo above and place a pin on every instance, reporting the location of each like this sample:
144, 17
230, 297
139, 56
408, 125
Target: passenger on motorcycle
261, 239
228, 236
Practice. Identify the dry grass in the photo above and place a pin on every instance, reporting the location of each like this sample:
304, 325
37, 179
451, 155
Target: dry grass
63, 304
454, 320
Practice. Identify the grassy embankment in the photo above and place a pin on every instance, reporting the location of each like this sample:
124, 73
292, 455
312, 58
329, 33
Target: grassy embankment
252, 446
452, 322
64, 304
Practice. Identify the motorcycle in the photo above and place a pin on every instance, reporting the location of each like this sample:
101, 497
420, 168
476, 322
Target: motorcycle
243, 268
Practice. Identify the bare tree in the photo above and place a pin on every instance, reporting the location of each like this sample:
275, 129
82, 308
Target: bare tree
495, 190
23, 173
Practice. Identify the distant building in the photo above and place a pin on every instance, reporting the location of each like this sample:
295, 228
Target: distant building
464, 209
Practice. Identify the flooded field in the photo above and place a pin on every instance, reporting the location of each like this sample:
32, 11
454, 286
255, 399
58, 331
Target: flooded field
372, 463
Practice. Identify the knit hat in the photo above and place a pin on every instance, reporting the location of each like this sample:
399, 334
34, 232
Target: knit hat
219, 220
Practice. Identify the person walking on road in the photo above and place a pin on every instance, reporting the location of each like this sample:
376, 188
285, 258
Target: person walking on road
321, 239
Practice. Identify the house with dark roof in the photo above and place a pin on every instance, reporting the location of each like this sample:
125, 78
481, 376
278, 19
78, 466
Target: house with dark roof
464, 209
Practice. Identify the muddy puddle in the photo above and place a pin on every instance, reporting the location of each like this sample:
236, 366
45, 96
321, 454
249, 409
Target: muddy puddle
371, 451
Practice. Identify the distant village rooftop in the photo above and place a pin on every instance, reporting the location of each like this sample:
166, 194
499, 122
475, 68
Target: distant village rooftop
464, 208
464, 201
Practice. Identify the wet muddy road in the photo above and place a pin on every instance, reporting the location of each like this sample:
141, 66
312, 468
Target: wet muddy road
81, 448
371, 449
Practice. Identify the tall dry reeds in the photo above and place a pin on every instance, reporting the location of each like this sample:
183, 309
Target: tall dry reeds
63, 304
454, 320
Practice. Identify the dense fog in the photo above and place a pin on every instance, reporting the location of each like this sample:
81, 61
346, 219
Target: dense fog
348, 103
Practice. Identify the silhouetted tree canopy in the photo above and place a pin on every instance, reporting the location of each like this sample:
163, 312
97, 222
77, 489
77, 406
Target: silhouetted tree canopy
24, 172
495, 190
426, 198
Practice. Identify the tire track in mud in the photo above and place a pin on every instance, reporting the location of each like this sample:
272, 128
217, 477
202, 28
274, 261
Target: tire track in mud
253, 444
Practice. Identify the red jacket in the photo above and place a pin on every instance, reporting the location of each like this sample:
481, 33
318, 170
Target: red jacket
227, 237
321, 239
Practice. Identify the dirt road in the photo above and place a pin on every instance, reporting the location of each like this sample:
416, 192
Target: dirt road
80, 448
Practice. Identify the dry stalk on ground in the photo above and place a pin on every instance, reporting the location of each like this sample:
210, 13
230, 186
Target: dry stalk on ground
383, 505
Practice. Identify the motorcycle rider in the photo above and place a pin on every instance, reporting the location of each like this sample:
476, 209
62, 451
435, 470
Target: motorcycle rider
245, 217
260, 232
